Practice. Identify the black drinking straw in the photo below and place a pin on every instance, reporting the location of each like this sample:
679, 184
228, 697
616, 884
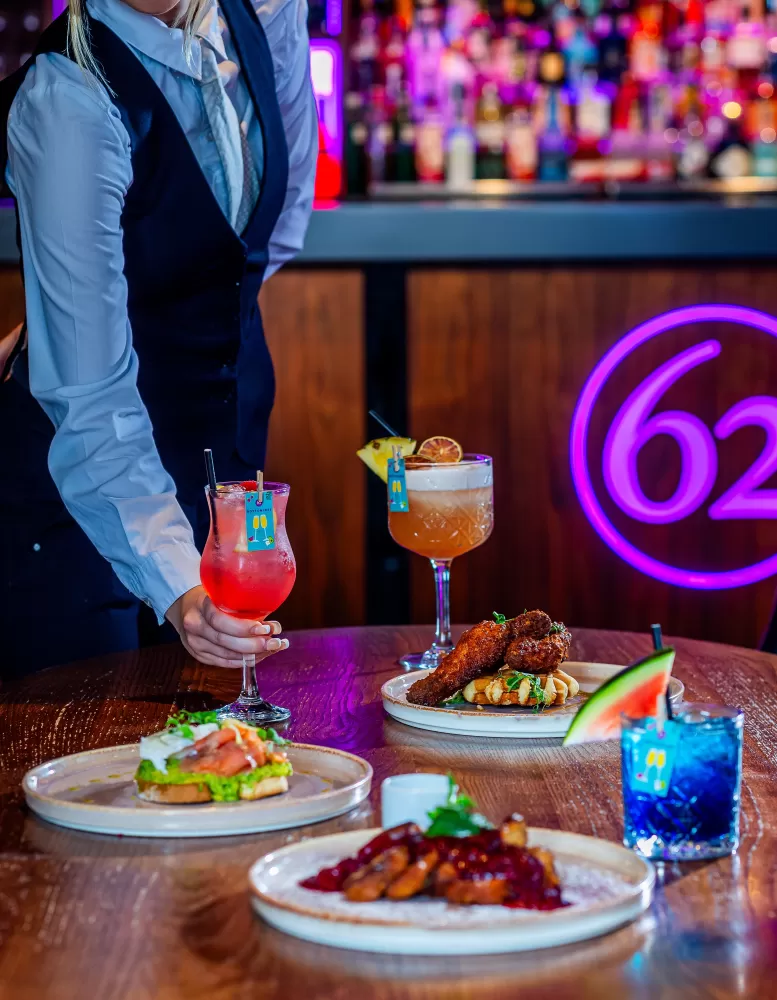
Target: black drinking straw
384, 425
210, 469
658, 645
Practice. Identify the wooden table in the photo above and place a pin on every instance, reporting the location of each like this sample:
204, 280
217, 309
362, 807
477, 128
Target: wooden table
99, 917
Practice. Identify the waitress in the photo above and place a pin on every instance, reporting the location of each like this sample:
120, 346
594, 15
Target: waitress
162, 155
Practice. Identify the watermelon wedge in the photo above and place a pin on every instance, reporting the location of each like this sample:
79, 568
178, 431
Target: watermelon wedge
637, 691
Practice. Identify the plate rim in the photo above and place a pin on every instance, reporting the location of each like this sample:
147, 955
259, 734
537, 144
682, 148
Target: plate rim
567, 914
225, 808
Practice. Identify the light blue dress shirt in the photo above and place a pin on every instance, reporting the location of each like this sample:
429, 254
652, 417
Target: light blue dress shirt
70, 169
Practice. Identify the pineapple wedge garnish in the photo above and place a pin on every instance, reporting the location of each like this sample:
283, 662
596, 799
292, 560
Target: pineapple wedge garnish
376, 454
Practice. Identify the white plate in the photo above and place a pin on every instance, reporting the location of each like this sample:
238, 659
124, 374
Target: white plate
95, 791
503, 723
607, 886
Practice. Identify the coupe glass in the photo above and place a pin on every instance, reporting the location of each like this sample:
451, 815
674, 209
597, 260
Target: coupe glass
247, 584
451, 511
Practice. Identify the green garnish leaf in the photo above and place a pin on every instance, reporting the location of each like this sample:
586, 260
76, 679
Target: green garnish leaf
455, 699
183, 721
557, 627
516, 678
499, 619
457, 818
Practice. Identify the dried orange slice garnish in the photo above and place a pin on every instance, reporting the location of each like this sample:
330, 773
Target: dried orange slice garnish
440, 449
417, 461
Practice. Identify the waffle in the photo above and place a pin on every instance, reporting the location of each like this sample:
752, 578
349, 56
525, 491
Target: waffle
508, 689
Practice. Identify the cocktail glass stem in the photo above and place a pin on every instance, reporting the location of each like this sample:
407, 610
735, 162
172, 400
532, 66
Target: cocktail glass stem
443, 643
442, 637
250, 706
250, 690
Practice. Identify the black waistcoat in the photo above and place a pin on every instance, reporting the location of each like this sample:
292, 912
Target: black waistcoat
205, 374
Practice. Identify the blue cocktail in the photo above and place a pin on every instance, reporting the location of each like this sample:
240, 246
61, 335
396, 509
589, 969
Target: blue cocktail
681, 783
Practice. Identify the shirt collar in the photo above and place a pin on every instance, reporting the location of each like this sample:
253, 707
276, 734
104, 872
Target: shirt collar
155, 39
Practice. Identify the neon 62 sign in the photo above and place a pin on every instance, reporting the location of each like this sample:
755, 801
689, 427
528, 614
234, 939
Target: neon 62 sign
634, 426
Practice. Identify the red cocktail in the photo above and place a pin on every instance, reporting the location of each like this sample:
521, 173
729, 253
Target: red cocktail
248, 571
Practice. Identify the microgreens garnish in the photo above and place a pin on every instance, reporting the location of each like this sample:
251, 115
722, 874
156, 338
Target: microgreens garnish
455, 699
557, 627
499, 619
457, 818
182, 722
516, 678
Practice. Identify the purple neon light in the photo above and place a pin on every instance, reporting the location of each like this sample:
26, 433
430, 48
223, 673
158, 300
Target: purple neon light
578, 449
739, 501
333, 103
334, 17
57, 6
631, 430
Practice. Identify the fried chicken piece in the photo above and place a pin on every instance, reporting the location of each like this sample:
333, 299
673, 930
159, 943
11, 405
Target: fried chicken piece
415, 877
538, 656
533, 624
513, 831
480, 648
466, 892
545, 858
371, 881
443, 876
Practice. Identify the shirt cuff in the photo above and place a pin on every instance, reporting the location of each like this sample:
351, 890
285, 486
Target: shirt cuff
177, 568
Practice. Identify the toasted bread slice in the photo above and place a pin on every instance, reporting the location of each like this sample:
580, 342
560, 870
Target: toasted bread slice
191, 793
173, 794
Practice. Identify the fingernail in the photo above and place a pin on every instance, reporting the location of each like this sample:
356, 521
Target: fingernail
274, 644
260, 630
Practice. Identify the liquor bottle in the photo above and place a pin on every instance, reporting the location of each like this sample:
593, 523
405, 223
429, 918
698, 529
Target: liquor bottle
746, 50
579, 52
731, 158
647, 56
552, 145
628, 152
425, 46
613, 61
593, 121
356, 135
400, 156
430, 143
365, 52
460, 153
660, 163
765, 153
379, 136
552, 68
694, 154
490, 135
393, 61
520, 146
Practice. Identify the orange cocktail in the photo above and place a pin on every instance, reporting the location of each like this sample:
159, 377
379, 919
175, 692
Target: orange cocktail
450, 512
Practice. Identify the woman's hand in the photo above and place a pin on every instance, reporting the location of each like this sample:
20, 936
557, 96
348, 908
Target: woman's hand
218, 639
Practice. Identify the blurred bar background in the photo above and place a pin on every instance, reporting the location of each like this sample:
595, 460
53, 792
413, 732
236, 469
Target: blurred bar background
506, 189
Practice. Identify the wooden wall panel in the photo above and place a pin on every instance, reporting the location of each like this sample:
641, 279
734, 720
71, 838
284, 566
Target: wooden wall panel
497, 359
314, 326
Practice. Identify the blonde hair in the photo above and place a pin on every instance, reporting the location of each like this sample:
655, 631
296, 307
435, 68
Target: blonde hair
79, 44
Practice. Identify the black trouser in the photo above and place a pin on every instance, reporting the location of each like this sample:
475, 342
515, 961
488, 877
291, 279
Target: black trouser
59, 599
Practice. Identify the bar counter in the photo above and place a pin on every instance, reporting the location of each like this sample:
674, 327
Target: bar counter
483, 318
84, 915
490, 230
